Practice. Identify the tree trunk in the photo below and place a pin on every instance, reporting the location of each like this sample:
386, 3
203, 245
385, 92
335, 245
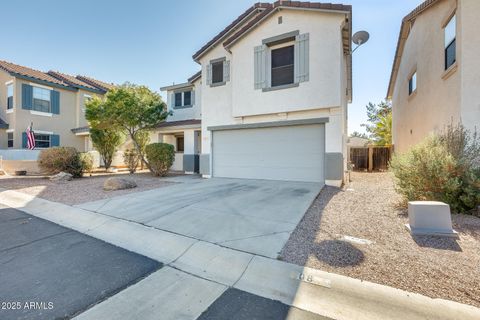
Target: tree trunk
137, 147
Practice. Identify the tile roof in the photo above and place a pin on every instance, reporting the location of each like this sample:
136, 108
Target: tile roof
31, 73
270, 8
255, 9
3, 124
71, 80
179, 123
97, 83
195, 76
56, 78
402, 37
81, 129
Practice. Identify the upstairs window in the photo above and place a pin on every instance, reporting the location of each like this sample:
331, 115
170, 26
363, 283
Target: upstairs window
10, 96
412, 84
182, 99
187, 98
178, 99
41, 99
450, 42
217, 72
282, 66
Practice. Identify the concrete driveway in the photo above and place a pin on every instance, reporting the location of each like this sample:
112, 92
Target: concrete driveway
255, 216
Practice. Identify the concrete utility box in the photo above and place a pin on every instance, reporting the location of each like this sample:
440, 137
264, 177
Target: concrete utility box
430, 218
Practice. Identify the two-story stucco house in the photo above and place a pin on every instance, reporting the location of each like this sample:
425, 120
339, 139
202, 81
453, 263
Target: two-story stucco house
435, 79
274, 86
52, 101
183, 128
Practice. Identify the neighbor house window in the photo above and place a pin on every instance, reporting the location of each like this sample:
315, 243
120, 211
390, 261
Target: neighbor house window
10, 96
450, 43
282, 66
180, 144
217, 72
183, 99
178, 99
10, 139
187, 98
412, 83
42, 140
41, 99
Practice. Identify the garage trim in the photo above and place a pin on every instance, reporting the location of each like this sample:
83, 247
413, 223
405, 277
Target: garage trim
269, 124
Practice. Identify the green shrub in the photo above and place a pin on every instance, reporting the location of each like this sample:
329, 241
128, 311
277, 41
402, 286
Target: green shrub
87, 162
58, 159
131, 159
160, 157
442, 168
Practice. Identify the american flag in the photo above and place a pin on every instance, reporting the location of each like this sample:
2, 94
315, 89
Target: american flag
30, 138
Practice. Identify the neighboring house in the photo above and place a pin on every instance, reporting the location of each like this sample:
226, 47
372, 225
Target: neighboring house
183, 128
435, 77
357, 142
54, 102
274, 86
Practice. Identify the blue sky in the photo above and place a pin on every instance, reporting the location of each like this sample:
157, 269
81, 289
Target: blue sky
151, 42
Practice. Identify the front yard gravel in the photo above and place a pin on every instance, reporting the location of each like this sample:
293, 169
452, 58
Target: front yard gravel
81, 190
369, 208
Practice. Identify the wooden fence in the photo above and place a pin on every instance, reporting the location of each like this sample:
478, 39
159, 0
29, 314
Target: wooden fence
370, 158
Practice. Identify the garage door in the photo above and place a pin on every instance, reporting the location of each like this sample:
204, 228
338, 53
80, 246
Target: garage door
293, 153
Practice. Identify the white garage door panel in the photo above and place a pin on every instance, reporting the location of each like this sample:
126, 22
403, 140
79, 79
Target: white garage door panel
281, 153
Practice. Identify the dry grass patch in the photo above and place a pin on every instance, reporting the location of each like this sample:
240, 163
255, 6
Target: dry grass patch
81, 190
369, 209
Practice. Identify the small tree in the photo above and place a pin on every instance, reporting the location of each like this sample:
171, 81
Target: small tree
132, 109
106, 142
380, 122
143, 138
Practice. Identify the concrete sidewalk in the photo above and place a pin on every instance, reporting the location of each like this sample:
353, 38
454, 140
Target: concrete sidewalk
212, 269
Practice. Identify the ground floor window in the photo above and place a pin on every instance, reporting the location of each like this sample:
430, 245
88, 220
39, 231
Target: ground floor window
42, 140
10, 139
180, 144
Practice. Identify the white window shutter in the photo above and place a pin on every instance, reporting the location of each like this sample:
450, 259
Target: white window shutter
226, 70
209, 74
260, 67
172, 100
192, 98
301, 66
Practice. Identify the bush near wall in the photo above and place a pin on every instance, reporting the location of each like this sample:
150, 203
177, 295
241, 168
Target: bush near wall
160, 157
445, 167
61, 159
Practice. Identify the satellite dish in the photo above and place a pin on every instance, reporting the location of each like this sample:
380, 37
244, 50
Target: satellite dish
360, 37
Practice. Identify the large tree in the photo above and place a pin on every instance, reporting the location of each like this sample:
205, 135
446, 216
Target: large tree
379, 124
131, 108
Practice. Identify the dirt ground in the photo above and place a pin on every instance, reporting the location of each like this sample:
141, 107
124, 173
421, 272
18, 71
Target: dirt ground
79, 190
370, 209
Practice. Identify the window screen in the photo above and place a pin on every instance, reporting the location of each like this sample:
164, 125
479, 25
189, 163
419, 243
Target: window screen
10, 140
282, 66
42, 140
217, 72
180, 144
178, 99
41, 99
450, 43
412, 84
187, 98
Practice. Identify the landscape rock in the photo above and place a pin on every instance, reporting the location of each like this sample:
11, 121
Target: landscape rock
61, 176
115, 183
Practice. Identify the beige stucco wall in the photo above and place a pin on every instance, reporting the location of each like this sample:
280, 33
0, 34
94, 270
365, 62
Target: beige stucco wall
5, 78
469, 48
442, 97
60, 124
